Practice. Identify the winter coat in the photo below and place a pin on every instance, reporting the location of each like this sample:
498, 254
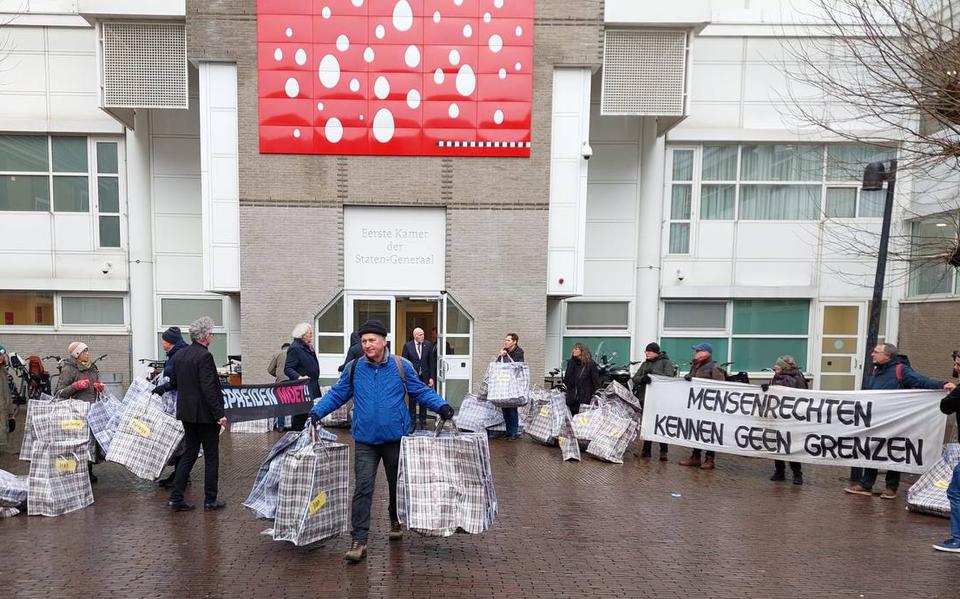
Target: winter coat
790, 378
73, 371
581, 381
660, 365
169, 364
380, 414
302, 361
6, 405
277, 364
424, 364
884, 376
516, 354
708, 370
194, 378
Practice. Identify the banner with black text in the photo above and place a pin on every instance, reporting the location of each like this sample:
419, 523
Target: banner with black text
255, 402
889, 430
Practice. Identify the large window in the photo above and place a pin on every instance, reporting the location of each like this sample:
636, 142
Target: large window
38, 309
80, 310
769, 182
181, 311
750, 333
27, 308
603, 326
933, 241
329, 333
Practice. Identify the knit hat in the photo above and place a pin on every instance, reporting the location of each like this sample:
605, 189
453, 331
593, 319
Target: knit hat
76, 348
172, 335
653, 346
786, 362
373, 326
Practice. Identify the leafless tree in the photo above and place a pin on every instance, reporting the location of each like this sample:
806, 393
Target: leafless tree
886, 74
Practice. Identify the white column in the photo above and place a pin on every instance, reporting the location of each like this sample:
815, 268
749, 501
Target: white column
649, 227
143, 342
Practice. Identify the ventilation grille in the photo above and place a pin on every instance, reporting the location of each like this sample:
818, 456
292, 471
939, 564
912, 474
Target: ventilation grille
644, 72
144, 65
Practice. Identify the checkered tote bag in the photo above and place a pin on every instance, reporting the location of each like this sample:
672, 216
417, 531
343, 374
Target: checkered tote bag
547, 420
569, 445
13, 489
929, 494
102, 419
58, 482
313, 495
339, 418
263, 496
34, 406
445, 484
138, 386
146, 437
612, 436
508, 384
477, 416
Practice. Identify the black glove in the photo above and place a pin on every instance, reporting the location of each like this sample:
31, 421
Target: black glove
764, 387
446, 412
11, 425
645, 379
159, 390
687, 377
314, 420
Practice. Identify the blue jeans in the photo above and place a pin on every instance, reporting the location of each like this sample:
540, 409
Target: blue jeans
512, 419
953, 493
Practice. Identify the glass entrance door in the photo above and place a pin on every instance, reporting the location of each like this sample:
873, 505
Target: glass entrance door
455, 363
841, 346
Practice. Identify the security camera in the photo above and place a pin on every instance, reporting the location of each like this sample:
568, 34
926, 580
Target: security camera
586, 151
680, 275
107, 266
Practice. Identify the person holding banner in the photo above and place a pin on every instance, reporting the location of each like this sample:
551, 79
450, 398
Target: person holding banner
786, 373
891, 372
377, 382
703, 366
657, 362
951, 405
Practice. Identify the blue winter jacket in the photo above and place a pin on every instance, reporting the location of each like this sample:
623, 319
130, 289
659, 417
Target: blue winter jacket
380, 414
172, 357
884, 376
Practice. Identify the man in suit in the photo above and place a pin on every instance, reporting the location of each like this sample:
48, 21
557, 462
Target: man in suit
420, 353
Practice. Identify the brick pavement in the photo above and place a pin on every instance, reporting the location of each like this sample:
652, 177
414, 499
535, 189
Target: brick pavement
564, 530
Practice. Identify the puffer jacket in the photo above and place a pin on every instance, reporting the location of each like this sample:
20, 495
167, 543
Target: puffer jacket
884, 376
660, 365
790, 378
73, 371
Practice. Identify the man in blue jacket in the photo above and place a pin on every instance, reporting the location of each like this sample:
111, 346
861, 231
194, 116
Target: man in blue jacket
890, 372
380, 419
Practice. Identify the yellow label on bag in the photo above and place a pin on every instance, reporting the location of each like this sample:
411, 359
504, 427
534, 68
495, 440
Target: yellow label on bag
559, 440
316, 503
616, 434
544, 412
65, 465
583, 420
941, 484
71, 425
503, 378
140, 428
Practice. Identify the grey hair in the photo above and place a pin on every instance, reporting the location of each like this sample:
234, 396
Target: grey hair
889, 349
201, 328
300, 330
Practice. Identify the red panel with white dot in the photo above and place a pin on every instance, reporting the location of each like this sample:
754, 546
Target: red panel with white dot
395, 77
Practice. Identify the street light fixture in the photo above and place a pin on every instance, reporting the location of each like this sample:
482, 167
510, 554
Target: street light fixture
874, 176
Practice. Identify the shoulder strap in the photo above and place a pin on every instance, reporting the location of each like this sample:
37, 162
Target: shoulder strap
898, 369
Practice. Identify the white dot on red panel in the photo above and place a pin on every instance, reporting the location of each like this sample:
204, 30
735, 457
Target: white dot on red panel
438, 76
498, 117
320, 106
466, 80
519, 31
453, 111
383, 125
467, 30
495, 43
333, 130
412, 56
454, 57
413, 98
354, 85
358, 3
288, 32
343, 42
380, 32
296, 133
498, 3
381, 87
486, 17
436, 16
361, 117
458, 2
278, 54
300, 57
502, 73
291, 88
518, 66
329, 71
325, 12
402, 16
368, 55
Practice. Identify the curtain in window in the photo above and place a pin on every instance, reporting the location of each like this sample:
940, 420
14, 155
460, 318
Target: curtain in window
680, 202
679, 238
716, 202
719, 163
779, 162
845, 162
841, 202
779, 202
683, 165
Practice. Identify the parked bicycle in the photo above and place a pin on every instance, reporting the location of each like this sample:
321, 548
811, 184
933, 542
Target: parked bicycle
154, 368
34, 379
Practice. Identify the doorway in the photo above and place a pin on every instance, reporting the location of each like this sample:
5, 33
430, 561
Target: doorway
415, 313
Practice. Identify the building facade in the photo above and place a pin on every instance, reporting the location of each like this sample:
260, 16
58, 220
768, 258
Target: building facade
669, 193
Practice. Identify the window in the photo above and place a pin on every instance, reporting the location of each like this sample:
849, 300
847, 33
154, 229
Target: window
681, 201
27, 308
180, 312
329, 328
784, 182
933, 241
602, 326
77, 310
459, 328
597, 315
616, 350
108, 195
750, 333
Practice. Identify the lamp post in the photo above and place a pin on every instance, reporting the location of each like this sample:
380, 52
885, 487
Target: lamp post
873, 178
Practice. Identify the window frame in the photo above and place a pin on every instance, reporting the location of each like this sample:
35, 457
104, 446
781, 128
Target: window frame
220, 330
694, 207
95, 177
619, 333
58, 324
955, 273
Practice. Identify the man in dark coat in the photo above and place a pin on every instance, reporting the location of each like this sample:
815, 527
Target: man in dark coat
703, 366
172, 342
951, 405
657, 362
511, 352
420, 353
200, 409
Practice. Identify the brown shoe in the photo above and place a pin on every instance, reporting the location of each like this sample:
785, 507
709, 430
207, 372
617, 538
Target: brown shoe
888, 494
692, 461
663, 456
357, 553
858, 489
708, 464
396, 532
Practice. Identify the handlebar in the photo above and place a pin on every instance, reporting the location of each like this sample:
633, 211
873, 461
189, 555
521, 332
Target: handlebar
57, 358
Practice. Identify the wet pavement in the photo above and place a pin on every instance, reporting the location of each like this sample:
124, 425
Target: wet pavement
586, 529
